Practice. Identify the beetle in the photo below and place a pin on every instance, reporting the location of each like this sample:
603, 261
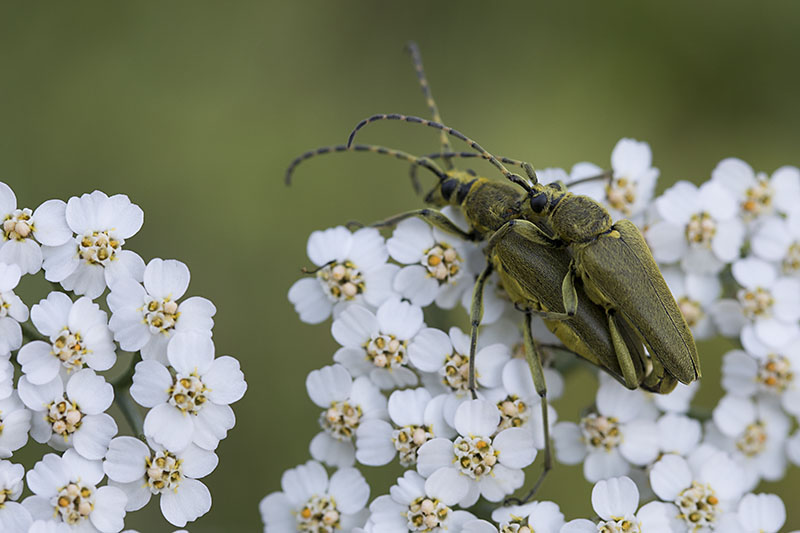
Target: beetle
611, 259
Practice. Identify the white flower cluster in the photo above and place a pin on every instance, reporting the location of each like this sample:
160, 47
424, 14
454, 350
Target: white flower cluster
398, 388
63, 353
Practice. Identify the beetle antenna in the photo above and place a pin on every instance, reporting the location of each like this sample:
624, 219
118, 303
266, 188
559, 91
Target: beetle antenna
421, 161
530, 172
466, 155
416, 58
607, 175
514, 178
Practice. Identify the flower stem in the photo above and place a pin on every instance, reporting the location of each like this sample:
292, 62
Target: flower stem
122, 396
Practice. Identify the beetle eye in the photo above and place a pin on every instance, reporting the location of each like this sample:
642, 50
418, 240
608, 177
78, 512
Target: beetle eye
448, 186
538, 202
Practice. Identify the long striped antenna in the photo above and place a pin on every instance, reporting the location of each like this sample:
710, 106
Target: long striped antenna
421, 161
607, 175
466, 155
416, 58
514, 178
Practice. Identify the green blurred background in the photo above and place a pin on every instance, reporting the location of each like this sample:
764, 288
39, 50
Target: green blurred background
194, 109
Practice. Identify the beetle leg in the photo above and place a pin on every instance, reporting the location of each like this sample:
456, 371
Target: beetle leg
306, 270
525, 229
533, 357
658, 380
475, 316
623, 354
431, 216
568, 292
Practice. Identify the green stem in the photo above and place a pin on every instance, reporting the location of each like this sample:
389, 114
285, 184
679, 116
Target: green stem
122, 396
30, 333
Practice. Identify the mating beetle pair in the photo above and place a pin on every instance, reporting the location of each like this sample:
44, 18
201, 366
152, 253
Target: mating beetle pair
559, 256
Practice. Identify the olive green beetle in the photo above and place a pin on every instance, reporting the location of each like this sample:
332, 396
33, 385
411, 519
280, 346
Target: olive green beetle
612, 261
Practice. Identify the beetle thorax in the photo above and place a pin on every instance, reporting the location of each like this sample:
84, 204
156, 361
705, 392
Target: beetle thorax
491, 204
579, 219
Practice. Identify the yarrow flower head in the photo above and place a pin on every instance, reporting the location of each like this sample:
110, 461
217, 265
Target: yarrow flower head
704, 489
772, 373
437, 263
610, 440
415, 419
533, 517
446, 358
615, 501
352, 268
630, 188
757, 194
146, 317
376, 344
71, 415
754, 433
698, 227
311, 502
190, 400
414, 504
78, 334
347, 404
476, 463
94, 259
142, 473
65, 490
24, 230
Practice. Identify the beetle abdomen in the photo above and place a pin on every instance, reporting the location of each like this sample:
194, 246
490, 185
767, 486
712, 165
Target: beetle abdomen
532, 275
620, 267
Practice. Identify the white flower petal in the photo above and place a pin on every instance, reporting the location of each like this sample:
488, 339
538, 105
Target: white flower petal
407, 407
169, 427
92, 438
166, 278
448, 485
433, 455
429, 348
191, 501
330, 451
603, 465
191, 352
328, 384
151, 383
515, 446
354, 326
51, 223
615, 497
310, 301
350, 490
476, 418
91, 392
764, 513
26, 254
224, 380
669, 476
640, 445
125, 460
412, 282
